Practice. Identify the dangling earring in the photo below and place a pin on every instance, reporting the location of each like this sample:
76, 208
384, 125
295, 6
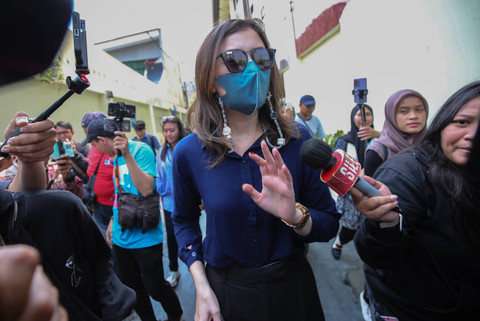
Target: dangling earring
227, 131
274, 117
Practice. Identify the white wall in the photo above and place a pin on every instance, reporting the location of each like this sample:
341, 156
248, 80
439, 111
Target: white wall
431, 46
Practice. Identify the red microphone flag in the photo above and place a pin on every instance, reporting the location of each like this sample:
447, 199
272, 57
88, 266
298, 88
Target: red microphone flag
343, 175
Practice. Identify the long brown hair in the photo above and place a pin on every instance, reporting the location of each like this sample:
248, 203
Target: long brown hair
181, 131
204, 116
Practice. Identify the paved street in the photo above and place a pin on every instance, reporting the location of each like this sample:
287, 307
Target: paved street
339, 283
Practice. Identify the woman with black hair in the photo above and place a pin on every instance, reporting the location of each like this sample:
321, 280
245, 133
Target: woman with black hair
426, 267
354, 143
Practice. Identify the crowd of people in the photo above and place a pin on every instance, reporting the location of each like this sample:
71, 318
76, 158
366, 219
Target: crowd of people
240, 167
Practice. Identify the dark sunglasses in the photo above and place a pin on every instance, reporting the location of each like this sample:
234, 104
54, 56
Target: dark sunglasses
236, 60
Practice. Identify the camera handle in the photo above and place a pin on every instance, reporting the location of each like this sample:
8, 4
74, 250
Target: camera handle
77, 85
362, 113
119, 152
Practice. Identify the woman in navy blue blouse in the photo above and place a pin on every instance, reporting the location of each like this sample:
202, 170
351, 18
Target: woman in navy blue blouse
262, 202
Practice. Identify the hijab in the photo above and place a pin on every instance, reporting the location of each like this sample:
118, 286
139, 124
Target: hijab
391, 137
352, 136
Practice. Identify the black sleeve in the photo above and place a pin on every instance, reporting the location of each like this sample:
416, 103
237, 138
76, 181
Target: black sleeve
383, 248
74, 253
372, 162
80, 167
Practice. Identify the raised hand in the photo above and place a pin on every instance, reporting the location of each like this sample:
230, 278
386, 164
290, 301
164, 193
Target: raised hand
367, 132
277, 196
36, 141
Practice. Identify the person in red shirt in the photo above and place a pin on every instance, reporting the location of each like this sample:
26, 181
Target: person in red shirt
103, 188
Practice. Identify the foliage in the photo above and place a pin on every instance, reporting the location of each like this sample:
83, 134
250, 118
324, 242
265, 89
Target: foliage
331, 139
54, 74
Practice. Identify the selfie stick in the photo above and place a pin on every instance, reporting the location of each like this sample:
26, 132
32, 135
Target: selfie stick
77, 85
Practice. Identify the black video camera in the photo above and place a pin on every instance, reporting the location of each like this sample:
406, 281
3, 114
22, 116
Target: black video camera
119, 111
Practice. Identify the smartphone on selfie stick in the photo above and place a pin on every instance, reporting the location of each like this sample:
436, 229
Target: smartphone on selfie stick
360, 92
77, 85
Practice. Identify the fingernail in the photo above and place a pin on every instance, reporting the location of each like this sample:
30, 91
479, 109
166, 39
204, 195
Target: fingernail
21, 119
393, 197
11, 141
5, 149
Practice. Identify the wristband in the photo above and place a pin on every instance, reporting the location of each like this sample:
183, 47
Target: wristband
396, 222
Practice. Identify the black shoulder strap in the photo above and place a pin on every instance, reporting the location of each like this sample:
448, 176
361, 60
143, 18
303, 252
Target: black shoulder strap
151, 142
150, 137
98, 164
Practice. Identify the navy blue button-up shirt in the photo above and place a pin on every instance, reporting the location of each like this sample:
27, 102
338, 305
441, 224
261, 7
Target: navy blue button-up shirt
238, 232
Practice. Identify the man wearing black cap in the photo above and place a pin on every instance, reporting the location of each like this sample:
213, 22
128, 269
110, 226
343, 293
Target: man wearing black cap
87, 119
138, 251
142, 136
305, 117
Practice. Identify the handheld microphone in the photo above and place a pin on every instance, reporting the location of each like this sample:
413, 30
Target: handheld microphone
340, 171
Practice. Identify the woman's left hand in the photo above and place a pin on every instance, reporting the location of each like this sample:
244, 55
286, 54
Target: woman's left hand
277, 196
366, 133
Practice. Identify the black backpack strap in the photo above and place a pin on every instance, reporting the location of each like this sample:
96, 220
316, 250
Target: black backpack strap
150, 137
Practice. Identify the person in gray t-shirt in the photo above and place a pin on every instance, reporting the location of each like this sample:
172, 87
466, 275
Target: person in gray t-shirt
305, 117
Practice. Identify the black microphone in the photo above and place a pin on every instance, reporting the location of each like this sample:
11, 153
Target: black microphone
340, 171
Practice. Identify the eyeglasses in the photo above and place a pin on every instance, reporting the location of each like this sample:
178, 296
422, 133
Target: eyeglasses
65, 132
236, 60
311, 106
167, 118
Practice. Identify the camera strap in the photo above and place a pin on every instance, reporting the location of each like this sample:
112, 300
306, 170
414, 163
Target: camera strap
96, 170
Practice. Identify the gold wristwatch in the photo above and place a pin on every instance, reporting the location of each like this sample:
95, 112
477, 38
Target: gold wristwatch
303, 221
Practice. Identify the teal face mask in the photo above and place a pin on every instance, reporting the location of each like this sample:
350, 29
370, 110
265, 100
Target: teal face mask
246, 91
